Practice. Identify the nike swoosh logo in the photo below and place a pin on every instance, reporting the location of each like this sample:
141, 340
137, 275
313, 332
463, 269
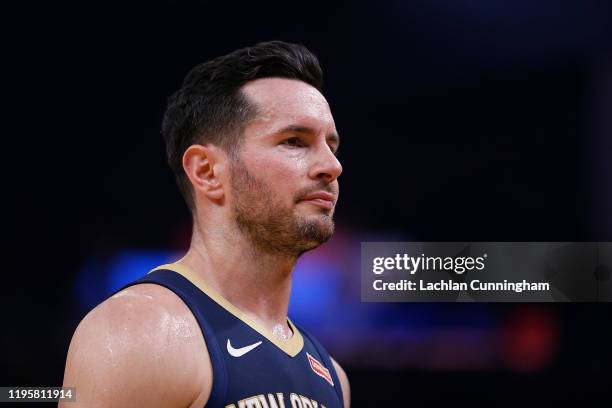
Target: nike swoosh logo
239, 352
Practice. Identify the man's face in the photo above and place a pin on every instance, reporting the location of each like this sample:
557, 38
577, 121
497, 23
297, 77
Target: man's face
284, 180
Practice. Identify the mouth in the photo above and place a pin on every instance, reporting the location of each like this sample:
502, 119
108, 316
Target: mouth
320, 199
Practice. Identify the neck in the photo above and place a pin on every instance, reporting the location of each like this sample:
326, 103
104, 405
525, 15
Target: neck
256, 282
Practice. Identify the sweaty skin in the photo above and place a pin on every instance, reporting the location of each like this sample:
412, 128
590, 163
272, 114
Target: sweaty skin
125, 349
143, 346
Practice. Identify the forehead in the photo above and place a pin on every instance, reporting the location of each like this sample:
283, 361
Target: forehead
282, 102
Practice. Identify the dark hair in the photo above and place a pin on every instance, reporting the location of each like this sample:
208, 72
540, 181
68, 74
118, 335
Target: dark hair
211, 108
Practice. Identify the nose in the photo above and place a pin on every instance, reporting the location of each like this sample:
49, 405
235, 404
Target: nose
326, 166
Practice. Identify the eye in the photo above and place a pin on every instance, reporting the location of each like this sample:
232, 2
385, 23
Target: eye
334, 150
293, 142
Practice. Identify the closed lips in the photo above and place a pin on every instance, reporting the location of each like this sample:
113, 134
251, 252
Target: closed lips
321, 199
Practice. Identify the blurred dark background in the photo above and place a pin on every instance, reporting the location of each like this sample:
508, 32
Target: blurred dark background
461, 121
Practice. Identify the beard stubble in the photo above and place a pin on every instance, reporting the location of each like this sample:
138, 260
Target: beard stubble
269, 224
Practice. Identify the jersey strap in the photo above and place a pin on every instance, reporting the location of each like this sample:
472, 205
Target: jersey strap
186, 291
326, 361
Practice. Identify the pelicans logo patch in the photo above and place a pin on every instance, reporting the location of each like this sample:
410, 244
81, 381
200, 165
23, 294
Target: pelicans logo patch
319, 369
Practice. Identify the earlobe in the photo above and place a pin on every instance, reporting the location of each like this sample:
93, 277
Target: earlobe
203, 168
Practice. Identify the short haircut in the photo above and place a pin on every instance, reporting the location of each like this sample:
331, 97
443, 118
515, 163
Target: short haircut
210, 106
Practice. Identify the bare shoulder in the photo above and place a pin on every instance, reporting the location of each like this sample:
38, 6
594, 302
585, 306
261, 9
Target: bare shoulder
140, 347
344, 382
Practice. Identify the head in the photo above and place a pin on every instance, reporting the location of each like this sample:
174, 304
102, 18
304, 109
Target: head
250, 136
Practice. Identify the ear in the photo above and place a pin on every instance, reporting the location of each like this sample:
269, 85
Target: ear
204, 165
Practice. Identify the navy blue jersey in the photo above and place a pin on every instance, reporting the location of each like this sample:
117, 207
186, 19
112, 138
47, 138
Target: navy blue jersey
251, 368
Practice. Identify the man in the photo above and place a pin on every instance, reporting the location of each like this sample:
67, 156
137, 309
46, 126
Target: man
253, 145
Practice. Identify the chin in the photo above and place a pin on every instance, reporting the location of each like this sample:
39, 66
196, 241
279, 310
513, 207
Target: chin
309, 246
321, 214
318, 230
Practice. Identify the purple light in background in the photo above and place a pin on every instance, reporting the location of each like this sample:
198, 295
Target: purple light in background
316, 290
101, 276
326, 300
133, 264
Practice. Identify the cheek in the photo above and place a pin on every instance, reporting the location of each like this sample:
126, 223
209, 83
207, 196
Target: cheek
281, 171
288, 170
298, 162
285, 168
284, 179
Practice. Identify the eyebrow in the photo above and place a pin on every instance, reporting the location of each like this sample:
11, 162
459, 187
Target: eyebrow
334, 137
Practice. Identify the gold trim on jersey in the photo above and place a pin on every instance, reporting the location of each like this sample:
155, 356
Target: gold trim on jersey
292, 346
